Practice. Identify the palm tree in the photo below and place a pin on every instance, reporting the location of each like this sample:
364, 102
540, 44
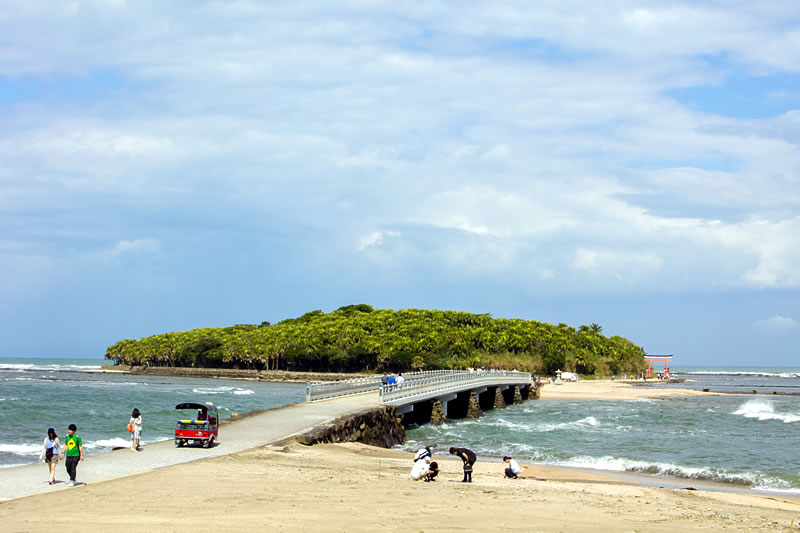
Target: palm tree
597, 328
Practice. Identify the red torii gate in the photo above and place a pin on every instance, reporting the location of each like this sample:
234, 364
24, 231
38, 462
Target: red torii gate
662, 358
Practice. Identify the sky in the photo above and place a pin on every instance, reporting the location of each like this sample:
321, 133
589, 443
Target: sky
172, 165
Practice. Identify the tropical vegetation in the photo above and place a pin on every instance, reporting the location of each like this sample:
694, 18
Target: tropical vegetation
358, 338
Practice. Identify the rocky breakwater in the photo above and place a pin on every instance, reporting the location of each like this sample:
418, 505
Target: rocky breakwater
230, 373
380, 426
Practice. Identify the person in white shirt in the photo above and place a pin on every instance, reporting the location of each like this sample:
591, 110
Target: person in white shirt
513, 471
400, 380
424, 469
51, 447
422, 453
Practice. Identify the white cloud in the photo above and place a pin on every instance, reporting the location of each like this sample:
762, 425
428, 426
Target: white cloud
375, 239
125, 249
777, 324
614, 263
537, 143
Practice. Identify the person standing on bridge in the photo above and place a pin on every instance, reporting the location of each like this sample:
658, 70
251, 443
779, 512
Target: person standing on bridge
469, 458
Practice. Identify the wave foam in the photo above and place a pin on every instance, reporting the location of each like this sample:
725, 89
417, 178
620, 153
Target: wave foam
754, 480
22, 367
764, 410
117, 442
212, 390
243, 392
589, 421
21, 449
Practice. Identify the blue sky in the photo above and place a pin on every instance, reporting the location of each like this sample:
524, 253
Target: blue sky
193, 164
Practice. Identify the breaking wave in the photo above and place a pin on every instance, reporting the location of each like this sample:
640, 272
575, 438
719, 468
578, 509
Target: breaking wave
755, 480
764, 410
21, 449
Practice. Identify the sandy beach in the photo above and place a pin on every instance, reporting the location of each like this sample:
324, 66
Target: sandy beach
611, 390
353, 487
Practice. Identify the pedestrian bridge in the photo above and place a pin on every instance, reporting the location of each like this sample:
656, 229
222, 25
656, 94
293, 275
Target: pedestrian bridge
434, 396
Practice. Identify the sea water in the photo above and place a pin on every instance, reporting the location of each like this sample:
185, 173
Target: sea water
36, 394
745, 440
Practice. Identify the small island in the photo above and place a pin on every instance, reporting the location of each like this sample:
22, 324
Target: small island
359, 338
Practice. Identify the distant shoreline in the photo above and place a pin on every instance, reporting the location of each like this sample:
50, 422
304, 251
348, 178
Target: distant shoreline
284, 376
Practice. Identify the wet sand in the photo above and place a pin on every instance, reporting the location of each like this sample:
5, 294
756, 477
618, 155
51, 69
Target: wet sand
353, 487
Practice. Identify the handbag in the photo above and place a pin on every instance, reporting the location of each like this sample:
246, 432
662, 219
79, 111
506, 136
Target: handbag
130, 428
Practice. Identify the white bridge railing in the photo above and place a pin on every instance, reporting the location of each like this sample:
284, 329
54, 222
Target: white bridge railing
347, 387
457, 381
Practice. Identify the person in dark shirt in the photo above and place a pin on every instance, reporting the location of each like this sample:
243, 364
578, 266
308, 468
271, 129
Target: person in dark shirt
469, 458
433, 471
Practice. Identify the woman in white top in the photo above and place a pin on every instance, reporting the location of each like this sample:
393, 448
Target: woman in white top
51, 447
135, 423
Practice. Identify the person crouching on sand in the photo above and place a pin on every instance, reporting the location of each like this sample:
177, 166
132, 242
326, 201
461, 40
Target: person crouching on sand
513, 471
469, 458
135, 427
424, 469
51, 449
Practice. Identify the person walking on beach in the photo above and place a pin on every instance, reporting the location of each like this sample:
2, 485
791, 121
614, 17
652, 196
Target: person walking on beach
73, 449
135, 427
51, 449
469, 458
513, 471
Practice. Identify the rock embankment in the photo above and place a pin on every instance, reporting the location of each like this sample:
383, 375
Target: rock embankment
231, 373
379, 426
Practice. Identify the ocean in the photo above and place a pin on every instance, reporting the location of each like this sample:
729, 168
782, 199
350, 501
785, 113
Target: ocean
746, 440
36, 394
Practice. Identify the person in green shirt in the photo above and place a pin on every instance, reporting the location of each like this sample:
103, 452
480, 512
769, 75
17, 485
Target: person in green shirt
73, 449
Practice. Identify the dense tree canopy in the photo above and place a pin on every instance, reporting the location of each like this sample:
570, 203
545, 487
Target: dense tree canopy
358, 338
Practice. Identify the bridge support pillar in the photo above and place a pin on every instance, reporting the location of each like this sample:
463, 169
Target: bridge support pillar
499, 402
445, 400
508, 393
474, 408
437, 413
535, 391
517, 396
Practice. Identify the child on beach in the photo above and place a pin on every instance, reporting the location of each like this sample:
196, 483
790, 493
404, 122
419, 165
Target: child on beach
513, 471
51, 449
135, 424
73, 448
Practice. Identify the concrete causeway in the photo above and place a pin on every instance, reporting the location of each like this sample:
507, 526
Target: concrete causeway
249, 432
